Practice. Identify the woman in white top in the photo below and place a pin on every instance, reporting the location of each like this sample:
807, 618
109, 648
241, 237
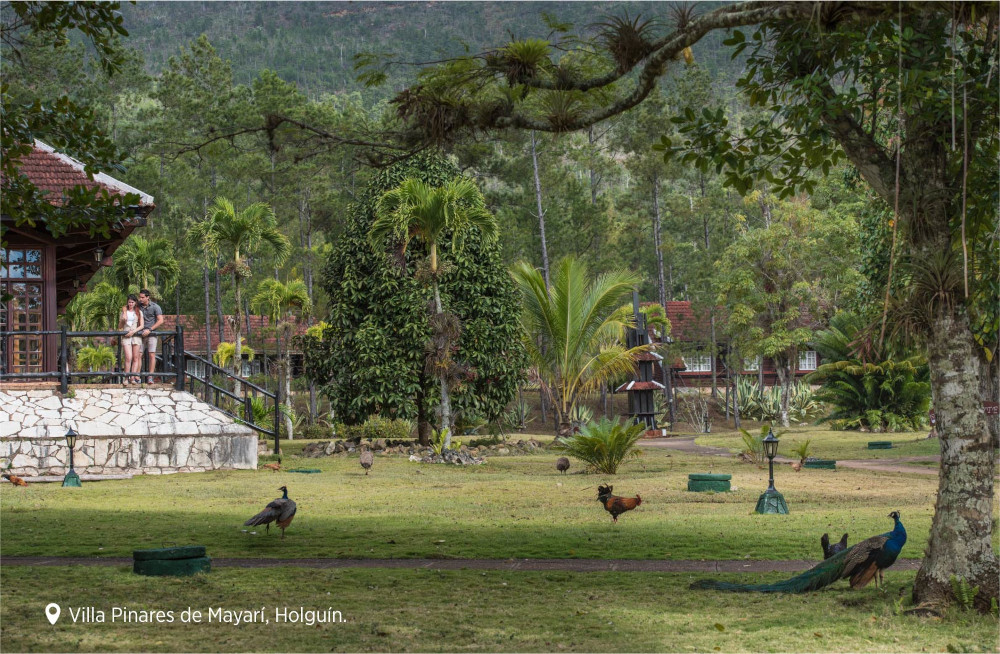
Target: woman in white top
131, 321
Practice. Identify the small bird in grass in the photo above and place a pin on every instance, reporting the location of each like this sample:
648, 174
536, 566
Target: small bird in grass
274, 467
860, 563
616, 505
367, 459
828, 549
279, 511
14, 479
562, 464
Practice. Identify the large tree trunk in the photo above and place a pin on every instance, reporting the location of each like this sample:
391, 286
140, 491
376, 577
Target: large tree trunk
218, 302
423, 423
959, 544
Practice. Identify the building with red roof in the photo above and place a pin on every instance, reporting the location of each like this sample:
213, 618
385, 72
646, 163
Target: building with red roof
42, 272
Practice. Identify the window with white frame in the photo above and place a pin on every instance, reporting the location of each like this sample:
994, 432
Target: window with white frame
751, 365
698, 363
807, 360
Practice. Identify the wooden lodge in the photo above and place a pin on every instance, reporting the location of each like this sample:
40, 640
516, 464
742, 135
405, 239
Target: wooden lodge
42, 272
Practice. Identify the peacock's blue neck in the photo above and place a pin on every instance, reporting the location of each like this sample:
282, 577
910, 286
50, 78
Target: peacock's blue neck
284, 496
897, 537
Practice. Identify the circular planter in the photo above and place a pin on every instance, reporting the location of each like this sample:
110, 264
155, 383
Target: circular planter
168, 553
821, 464
171, 561
703, 482
879, 445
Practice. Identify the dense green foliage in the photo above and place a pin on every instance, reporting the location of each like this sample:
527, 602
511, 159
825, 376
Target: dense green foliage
605, 445
879, 390
372, 358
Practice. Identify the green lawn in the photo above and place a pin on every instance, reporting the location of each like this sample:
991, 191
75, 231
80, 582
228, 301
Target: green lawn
509, 507
420, 610
839, 445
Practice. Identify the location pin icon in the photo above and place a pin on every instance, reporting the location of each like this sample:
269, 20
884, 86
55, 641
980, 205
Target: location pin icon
52, 612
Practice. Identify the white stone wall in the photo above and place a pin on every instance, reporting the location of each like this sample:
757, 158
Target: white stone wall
122, 430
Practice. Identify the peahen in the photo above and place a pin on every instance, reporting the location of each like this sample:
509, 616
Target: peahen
861, 563
279, 511
828, 549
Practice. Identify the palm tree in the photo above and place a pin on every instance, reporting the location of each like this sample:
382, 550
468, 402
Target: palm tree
417, 211
238, 235
279, 302
572, 331
100, 306
140, 261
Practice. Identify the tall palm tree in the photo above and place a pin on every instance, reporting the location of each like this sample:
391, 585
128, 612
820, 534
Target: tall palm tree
237, 235
281, 302
140, 261
572, 331
417, 211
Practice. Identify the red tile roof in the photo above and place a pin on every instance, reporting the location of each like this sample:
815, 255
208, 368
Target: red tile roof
53, 172
685, 325
260, 332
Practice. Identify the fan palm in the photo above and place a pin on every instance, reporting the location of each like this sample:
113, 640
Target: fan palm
238, 235
100, 306
573, 331
415, 211
139, 260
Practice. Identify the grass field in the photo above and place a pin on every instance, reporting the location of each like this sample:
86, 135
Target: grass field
420, 610
839, 445
509, 507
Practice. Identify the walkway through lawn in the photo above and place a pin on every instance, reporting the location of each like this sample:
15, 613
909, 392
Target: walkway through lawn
567, 565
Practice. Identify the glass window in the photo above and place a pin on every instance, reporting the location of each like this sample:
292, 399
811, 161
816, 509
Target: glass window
807, 360
751, 365
698, 363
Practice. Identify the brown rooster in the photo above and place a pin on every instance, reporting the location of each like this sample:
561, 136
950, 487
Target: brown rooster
616, 505
274, 467
14, 479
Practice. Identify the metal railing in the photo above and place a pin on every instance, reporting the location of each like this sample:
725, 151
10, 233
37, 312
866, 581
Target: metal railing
171, 359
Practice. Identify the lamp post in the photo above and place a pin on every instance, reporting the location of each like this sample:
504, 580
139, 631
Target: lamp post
71, 479
771, 501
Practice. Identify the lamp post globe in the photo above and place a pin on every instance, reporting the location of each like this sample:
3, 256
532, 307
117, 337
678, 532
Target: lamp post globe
71, 479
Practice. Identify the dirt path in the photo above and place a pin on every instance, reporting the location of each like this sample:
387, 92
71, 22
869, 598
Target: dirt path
687, 444
566, 565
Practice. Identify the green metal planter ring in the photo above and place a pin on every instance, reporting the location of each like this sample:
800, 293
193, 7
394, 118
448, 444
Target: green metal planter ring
879, 445
171, 561
703, 482
821, 464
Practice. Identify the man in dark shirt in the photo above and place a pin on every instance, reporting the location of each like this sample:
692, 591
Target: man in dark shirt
152, 317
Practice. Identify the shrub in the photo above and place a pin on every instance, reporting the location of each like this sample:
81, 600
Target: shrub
764, 404
604, 444
376, 427
518, 416
884, 392
754, 444
94, 358
802, 450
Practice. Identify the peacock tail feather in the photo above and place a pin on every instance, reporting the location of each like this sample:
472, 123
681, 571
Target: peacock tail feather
814, 578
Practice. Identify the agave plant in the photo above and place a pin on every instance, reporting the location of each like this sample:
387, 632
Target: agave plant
604, 444
580, 415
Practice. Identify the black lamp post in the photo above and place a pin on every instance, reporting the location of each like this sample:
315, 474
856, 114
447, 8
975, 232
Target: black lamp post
71, 479
771, 501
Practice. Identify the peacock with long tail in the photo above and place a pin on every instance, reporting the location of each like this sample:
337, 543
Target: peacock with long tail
860, 563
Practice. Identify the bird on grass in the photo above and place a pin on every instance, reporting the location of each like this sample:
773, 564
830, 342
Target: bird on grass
279, 511
828, 549
616, 505
367, 459
14, 479
860, 563
562, 464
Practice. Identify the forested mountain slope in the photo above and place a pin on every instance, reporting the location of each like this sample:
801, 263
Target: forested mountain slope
313, 43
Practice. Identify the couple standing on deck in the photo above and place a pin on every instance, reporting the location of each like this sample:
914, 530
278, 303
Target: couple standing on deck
139, 318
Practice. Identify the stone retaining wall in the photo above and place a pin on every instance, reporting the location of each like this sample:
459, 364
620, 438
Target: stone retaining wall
122, 430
